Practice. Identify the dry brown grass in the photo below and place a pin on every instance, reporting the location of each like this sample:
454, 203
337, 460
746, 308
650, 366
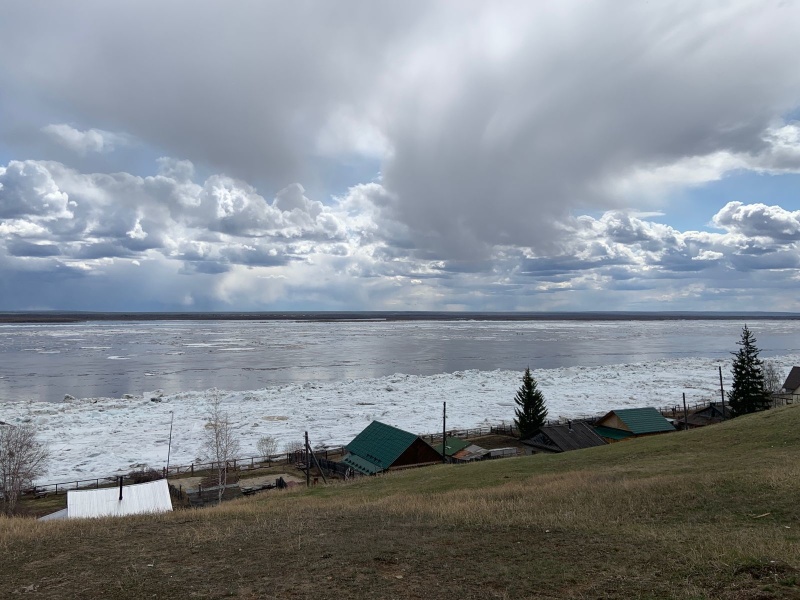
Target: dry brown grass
677, 516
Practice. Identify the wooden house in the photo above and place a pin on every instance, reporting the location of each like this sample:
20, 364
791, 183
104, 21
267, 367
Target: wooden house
381, 447
561, 438
625, 423
790, 392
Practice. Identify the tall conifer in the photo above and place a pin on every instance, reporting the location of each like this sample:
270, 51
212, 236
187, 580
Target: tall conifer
531, 411
747, 394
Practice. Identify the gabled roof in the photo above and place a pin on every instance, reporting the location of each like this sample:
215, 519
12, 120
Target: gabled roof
712, 411
454, 445
560, 438
381, 444
641, 420
793, 380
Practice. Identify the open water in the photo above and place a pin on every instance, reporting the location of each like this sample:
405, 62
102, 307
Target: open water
110, 359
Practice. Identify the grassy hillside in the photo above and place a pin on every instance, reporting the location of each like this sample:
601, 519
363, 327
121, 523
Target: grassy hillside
710, 513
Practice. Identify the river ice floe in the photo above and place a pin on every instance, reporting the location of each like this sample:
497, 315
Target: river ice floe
97, 437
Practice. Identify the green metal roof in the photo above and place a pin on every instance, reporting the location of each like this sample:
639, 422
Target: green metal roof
454, 445
360, 465
381, 444
643, 420
611, 433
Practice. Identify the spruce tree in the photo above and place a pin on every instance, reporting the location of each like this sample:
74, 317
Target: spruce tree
531, 411
747, 394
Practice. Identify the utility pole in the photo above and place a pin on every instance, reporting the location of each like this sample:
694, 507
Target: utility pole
685, 413
308, 464
722, 392
444, 432
169, 448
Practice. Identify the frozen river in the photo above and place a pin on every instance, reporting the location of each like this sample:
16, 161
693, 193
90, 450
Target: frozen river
281, 378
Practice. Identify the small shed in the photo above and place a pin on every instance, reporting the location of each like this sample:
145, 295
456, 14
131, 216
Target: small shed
137, 499
625, 423
381, 447
791, 387
452, 445
561, 438
470, 454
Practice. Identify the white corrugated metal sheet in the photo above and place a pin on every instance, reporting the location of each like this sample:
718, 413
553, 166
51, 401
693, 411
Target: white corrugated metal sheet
151, 497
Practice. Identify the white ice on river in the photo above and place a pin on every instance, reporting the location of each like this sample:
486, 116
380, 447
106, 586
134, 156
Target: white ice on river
98, 437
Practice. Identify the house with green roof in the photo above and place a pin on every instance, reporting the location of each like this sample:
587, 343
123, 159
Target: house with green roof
625, 423
381, 447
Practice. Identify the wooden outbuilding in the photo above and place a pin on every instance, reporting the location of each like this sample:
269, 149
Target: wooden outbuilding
790, 391
381, 447
461, 451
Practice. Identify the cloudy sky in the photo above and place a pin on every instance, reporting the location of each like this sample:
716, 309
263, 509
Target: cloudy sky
357, 155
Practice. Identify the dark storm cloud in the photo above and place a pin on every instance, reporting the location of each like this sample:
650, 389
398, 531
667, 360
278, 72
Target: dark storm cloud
562, 265
204, 267
773, 260
255, 256
488, 133
494, 121
18, 247
244, 87
103, 250
677, 261
497, 151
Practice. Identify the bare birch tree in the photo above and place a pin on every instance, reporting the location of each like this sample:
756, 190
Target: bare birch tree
773, 379
219, 443
267, 446
22, 459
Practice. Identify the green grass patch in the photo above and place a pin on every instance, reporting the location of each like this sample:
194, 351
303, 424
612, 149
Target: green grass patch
709, 513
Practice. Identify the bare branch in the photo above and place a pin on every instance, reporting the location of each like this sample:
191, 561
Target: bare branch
22, 459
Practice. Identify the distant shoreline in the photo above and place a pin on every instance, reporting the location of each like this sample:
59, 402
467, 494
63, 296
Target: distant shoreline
367, 316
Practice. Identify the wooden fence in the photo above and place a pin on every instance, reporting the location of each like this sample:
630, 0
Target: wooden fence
252, 462
299, 457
